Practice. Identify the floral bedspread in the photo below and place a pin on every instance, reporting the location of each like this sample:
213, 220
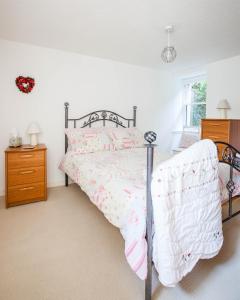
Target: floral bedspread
115, 183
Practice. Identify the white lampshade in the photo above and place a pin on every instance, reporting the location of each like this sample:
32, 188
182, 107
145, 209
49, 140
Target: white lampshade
223, 104
33, 128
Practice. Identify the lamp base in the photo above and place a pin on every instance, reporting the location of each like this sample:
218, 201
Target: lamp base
33, 140
223, 113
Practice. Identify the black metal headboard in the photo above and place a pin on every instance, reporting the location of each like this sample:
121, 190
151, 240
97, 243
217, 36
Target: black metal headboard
98, 116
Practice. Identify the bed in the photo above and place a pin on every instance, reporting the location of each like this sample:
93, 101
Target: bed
119, 184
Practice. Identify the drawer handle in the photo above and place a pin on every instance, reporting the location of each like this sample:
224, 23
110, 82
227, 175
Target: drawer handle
26, 155
26, 172
214, 137
27, 188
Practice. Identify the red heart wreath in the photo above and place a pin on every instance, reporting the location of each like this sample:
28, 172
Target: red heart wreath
25, 84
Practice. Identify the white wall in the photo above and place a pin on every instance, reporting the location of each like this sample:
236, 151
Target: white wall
88, 84
224, 83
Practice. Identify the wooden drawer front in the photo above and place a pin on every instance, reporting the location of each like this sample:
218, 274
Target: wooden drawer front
25, 175
25, 159
216, 130
26, 192
215, 136
216, 125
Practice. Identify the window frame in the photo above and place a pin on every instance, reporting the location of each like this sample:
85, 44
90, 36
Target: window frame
187, 84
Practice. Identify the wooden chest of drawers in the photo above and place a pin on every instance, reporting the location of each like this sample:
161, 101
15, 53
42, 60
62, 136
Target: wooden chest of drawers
26, 175
222, 130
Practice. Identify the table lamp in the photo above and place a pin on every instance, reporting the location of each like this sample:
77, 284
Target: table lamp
223, 107
33, 130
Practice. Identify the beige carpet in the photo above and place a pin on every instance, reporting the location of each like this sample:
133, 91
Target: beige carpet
64, 249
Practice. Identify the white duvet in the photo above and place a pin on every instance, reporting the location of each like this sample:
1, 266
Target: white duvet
186, 211
115, 182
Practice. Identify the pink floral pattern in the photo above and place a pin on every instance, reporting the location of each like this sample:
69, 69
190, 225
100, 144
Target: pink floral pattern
115, 183
88, 140
124, 138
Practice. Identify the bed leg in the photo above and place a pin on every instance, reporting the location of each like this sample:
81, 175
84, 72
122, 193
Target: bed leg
66, 105
230, 187
149, 137
66, 180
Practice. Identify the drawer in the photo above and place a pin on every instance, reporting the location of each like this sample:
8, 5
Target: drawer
26, 192
215, 136
215, 126
25, 159
25, 175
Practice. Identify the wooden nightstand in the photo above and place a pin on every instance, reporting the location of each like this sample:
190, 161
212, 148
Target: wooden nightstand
223, 130
25, 175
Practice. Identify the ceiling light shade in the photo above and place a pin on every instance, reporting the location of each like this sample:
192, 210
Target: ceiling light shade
169, 53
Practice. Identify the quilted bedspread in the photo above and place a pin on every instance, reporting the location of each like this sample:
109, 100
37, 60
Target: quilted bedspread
186, 211
115, 182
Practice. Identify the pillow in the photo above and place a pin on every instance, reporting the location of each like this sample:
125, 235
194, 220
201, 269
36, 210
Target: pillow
88, 140
124, 138
188, 139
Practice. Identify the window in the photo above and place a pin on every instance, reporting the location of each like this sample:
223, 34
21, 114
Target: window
194, 97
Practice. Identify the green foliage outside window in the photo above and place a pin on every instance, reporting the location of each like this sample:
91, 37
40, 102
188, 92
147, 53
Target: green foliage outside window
198, 104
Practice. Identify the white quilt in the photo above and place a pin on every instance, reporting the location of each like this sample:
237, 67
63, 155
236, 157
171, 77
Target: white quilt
115, 182
187, 211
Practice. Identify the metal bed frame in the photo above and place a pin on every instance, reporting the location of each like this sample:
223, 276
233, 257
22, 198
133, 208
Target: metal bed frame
97, 116
229, 156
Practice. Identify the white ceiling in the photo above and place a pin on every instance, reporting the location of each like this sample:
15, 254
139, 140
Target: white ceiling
130, 31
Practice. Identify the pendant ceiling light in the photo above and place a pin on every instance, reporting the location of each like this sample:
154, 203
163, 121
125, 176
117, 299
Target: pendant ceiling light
169, 53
